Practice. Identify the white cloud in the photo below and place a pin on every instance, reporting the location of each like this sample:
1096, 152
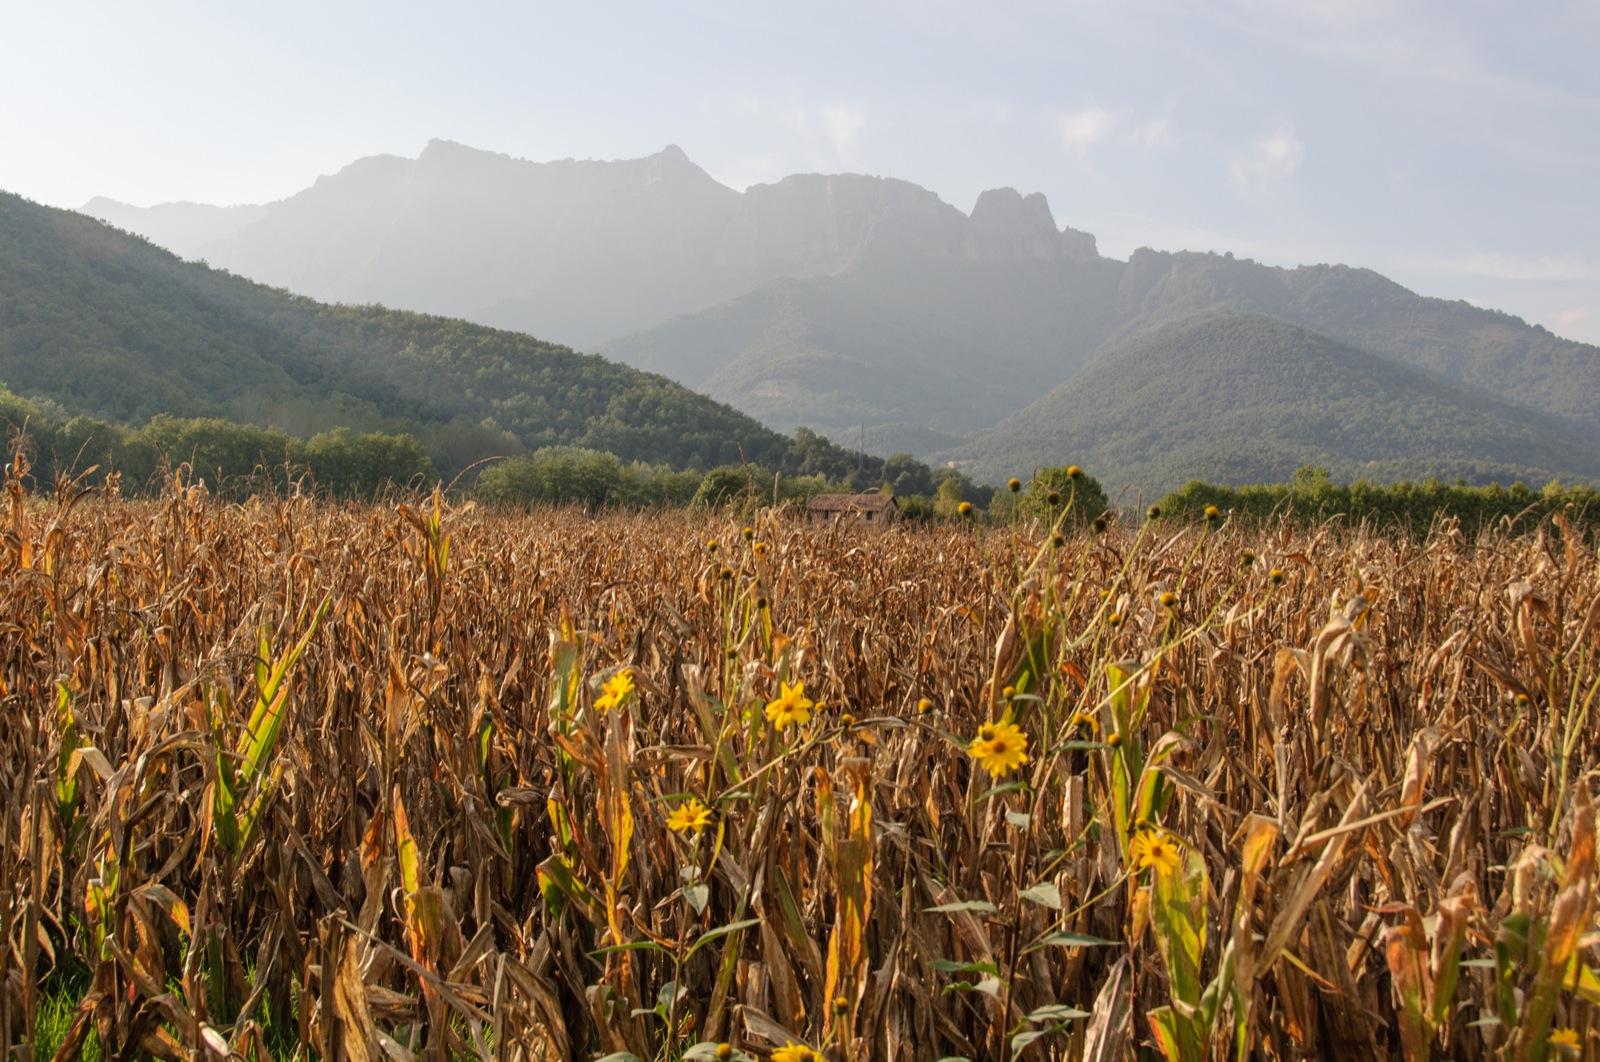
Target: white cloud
841, 125
1154, 133
1558, 269
1083, 127
822, 137
1569, 318
1272, 158
798, 119
742, 172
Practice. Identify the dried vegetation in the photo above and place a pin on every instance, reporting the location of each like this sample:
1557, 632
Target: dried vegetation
289, 778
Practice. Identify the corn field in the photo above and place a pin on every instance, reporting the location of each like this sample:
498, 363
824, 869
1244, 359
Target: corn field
293, 779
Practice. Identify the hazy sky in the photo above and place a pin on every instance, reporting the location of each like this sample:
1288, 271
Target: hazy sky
1454, 146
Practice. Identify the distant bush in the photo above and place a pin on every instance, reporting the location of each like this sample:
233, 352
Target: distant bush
573, 475
1051, 492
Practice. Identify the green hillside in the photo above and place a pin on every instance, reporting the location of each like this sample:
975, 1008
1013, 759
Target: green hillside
95, 321
1494, 352
1239, 398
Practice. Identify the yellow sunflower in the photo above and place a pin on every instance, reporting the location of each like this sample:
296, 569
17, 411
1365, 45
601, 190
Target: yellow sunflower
1155, 849
618, 688
691, 816
791, 708
1566, 1038
793, 1052
999, 748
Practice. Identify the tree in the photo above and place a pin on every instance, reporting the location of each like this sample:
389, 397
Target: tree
556, 474
730, 483
354, 465
907, 476
1065, 488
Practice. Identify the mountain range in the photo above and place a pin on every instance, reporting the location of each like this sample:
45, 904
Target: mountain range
868, 308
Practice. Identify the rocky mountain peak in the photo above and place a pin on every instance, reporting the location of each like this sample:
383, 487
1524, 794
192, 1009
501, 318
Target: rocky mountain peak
1008, 226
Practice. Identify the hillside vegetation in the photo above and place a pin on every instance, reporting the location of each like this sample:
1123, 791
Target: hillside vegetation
99, 323
1239, 398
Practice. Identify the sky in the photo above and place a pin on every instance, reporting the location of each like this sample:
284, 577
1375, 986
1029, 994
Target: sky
1453, 146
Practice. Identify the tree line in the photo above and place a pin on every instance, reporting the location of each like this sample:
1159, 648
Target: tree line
1413, 506
241, 458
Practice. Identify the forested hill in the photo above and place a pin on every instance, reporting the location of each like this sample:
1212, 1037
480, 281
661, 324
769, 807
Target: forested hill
1241, 398
99, 322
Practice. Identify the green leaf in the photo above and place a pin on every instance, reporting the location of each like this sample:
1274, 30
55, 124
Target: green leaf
951, 966
1057, 1012
556, 877
698, 896
1046, 894
632, 945
1023, 1039
721, 931
1018, 819
1164, 1024
982, 906
1068, 940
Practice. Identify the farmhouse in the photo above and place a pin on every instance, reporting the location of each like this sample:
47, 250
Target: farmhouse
871, 508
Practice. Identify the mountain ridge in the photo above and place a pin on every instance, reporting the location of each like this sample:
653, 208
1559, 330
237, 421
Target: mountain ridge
862, 306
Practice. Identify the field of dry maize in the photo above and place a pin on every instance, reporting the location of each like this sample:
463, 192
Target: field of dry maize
297, 779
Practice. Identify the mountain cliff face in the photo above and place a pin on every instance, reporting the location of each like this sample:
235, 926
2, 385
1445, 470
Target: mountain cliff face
584, 251
861, 306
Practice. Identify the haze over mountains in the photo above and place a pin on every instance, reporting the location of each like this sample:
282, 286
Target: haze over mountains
998, 339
